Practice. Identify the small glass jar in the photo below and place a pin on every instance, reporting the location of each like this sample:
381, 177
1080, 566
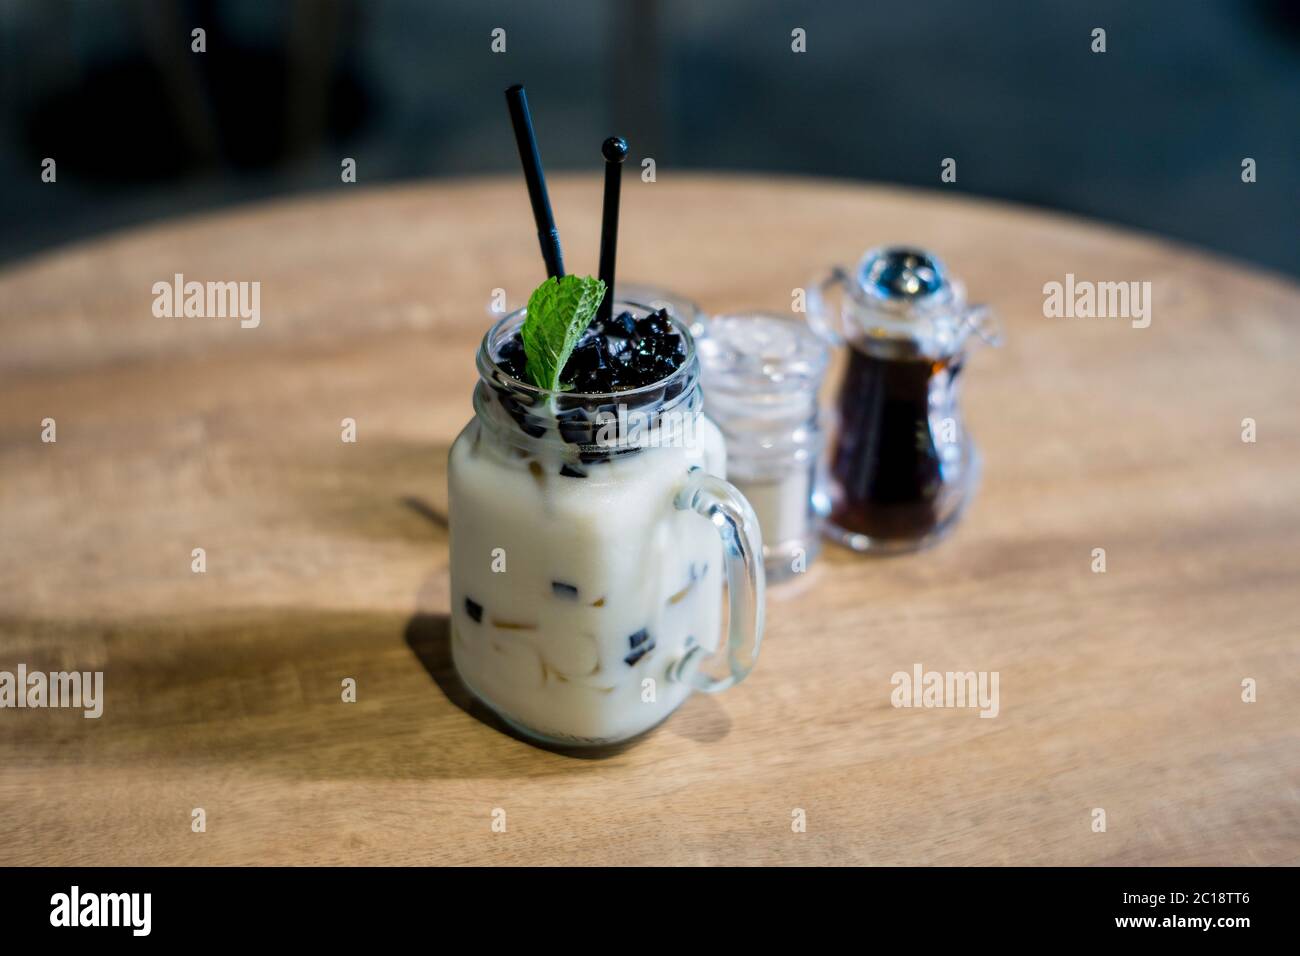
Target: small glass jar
902, 465
761, 376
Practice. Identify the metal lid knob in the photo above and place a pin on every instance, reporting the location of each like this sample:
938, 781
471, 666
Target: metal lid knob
897, 272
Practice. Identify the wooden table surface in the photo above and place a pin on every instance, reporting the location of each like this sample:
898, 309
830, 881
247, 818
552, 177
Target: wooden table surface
327, 560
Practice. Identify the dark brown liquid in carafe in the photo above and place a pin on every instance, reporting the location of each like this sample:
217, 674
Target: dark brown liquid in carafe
886, 471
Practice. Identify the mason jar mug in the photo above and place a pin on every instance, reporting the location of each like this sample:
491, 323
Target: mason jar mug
590, 538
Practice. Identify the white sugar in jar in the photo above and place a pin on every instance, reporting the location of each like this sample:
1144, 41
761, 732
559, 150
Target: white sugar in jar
761, 376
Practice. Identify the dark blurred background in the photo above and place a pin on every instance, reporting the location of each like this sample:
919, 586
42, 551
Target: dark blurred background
1152, 133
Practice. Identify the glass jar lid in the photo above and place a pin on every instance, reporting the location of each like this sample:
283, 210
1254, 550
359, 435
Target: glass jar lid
761, 375
762, 355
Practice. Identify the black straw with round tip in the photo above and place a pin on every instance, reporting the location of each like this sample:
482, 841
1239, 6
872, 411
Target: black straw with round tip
547, 235
614, 150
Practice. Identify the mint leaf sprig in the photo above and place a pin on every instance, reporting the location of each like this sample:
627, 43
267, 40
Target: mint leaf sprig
559, 311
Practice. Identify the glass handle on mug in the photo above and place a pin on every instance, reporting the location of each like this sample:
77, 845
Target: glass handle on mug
742, 556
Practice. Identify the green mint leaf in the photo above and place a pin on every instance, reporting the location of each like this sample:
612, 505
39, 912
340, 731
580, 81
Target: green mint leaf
559, 311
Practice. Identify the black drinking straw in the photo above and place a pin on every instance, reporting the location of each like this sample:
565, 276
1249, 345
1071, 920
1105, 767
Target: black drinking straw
547, 235
614, 150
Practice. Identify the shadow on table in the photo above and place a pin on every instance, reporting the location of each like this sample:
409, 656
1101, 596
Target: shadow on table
255, 692
261, 691
393, 493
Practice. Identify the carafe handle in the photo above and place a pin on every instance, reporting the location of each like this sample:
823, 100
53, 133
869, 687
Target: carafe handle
817, 316
742, 556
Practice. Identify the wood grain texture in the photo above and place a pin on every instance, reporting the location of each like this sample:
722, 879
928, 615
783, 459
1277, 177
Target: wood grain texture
328, 560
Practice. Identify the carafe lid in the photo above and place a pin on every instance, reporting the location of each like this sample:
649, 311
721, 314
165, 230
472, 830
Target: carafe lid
902, 301
900, 273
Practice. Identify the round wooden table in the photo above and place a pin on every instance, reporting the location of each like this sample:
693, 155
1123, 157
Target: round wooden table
326, 560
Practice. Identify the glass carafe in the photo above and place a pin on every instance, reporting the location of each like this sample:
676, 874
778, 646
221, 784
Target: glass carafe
901, 466
590, 538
